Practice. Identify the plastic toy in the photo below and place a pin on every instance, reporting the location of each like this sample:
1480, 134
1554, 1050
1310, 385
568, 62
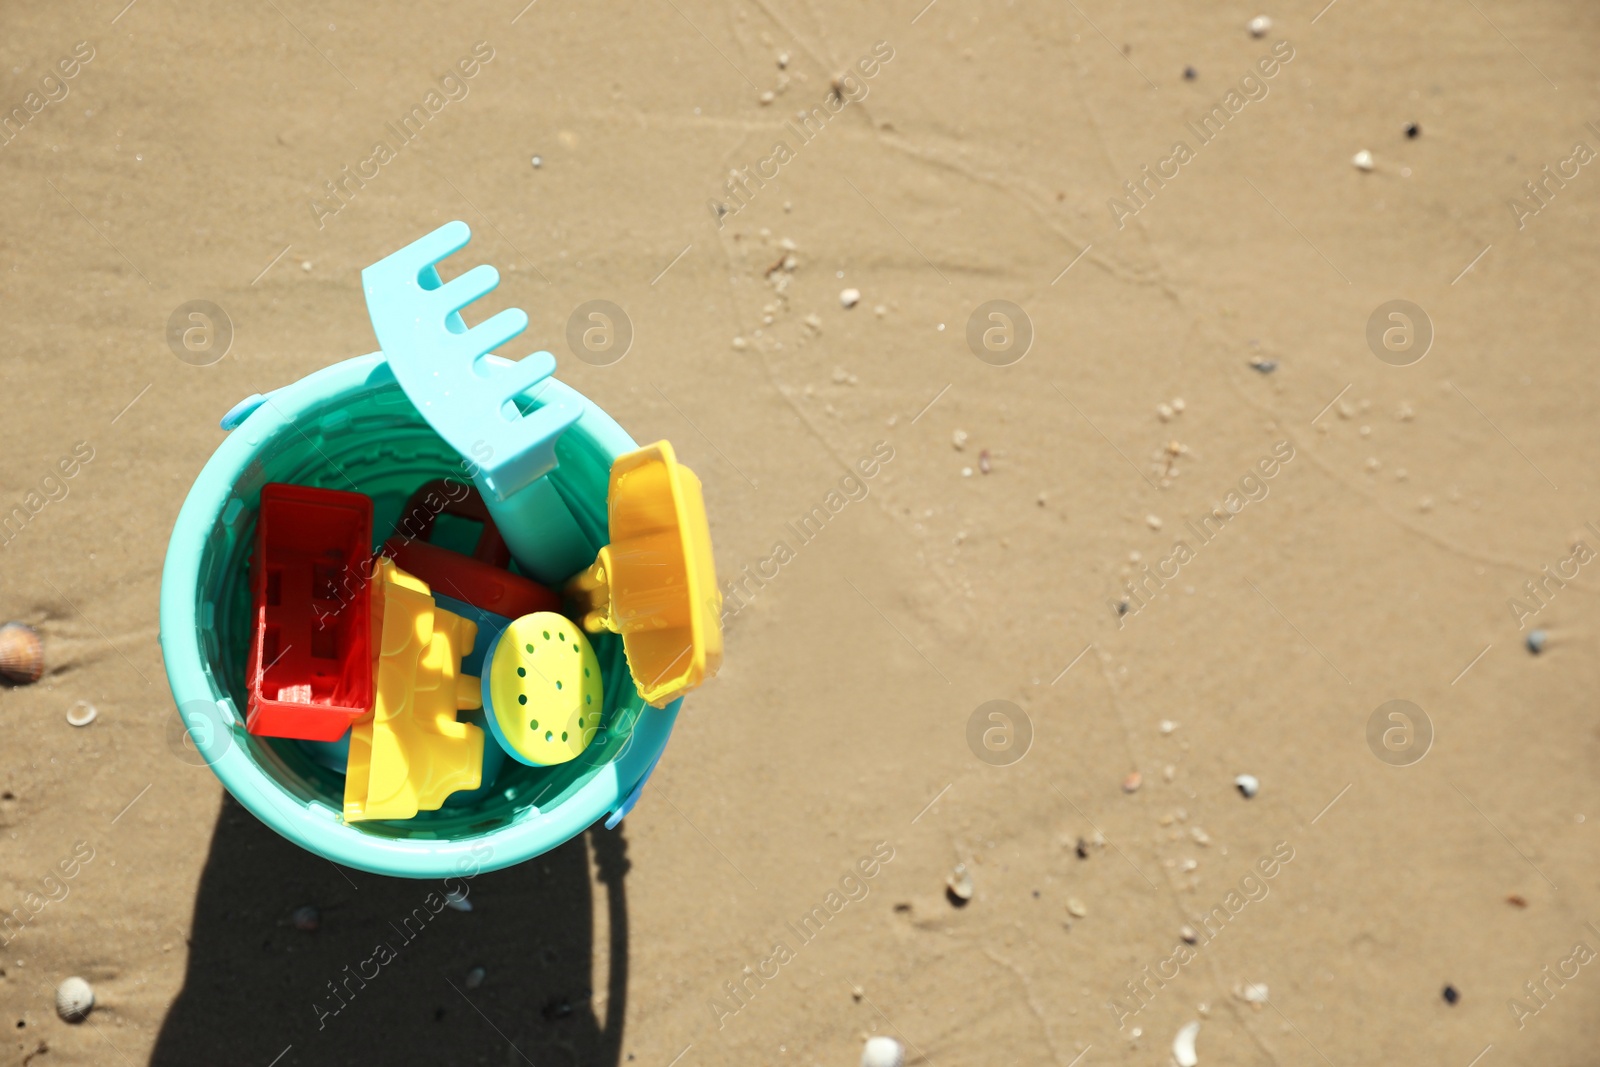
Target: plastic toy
451, 496
495, 414
310, 662
471, 581
542, 690
413, 753
352, 425
655, 583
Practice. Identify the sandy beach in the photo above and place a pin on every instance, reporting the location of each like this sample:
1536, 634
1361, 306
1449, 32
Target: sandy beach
1094, 403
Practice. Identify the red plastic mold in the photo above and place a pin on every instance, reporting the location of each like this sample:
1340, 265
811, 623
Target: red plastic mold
471, 581
310, 666
480, 579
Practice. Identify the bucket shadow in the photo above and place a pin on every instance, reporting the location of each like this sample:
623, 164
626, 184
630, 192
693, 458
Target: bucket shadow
257, 987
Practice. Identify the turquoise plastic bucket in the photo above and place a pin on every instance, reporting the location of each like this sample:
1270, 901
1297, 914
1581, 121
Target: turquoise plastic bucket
349, 426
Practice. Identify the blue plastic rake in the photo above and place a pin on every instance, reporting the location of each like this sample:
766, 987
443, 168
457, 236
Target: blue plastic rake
490, 410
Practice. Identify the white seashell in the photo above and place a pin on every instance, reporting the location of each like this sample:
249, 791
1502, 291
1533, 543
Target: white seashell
850, 297
1183, 1045
82, 713
74, 999
1253, 992
475, 978
1076, 908
1362, 160
21, 653
1248, 785
1260, 25
959, 883
883, 1051
458, 900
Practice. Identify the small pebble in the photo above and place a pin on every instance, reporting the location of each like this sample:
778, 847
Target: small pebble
1248, 785
1164, 411
1076, 908
1167, 726
1187, 933
1517, 900
1362, 160
768, 97
1413, 131
474, 978
1132, 783
783, 60
740, 344
983, 461
881, 1051
850, 297
1082, 849
1253, 993
458, 900
305, 264
1260, 25
959, 440
1536, 641
958, 885
1190, 74
1153, 521
537, 161
880, 311
1450, 994
306, 918
966, 472
1178, 405
1264, 366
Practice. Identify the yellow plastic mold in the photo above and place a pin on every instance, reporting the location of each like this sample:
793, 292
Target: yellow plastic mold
409, 752
655, 583
542, 691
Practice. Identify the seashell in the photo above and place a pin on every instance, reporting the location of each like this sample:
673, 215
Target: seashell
958, 885
1536, 641
1362, 160
1188, 934
1076, 908
883, 1051
850, 297
1248, 785
74, 999
82, 714
21, 653
475, 977
1260, 25
1132, 783
458, 900
1183, 1045
306, 918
